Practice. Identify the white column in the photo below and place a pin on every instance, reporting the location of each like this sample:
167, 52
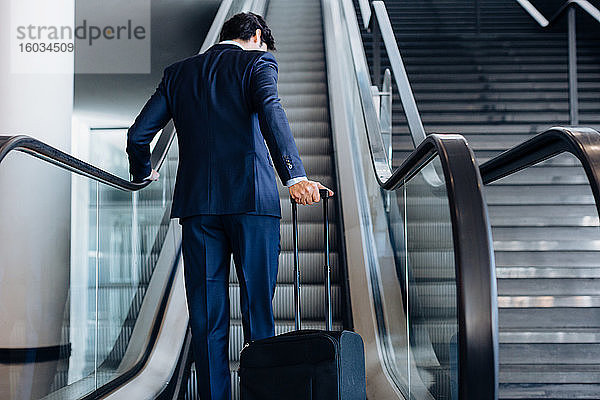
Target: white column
34, 201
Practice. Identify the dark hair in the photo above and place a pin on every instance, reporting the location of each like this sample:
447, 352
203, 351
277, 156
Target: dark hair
244, 25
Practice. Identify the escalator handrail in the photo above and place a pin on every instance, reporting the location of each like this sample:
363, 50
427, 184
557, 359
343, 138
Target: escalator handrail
432, 146
44, 151
474, 259
585, 5
382, 168
413, 117
583, 143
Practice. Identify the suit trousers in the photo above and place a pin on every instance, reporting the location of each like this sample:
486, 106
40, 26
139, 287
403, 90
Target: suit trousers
208, 242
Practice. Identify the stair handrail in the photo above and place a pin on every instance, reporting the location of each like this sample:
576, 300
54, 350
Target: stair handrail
415, 124
536, 14
365, 12
570, 7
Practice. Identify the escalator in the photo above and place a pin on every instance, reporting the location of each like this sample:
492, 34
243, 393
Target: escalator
413, 273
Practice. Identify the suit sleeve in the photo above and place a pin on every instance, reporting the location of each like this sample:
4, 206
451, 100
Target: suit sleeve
154, 116
273, 121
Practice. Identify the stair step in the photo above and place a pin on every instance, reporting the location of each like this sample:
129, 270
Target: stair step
551, 288
547, 336
543, 301
550, 353
550, 374
566, 272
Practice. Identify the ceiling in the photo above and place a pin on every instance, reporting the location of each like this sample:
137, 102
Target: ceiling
178, 29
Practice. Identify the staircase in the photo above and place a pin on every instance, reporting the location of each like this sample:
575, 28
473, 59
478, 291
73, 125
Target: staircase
297, 28
498, 83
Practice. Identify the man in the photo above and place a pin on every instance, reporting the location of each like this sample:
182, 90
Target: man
225, 107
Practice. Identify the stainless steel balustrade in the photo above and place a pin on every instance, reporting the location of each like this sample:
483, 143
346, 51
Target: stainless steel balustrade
382, 27
568, 5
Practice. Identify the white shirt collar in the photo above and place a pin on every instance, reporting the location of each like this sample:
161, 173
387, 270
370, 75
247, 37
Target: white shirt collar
232, 42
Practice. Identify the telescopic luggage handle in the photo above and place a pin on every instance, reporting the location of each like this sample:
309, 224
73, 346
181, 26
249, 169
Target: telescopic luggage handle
327, 267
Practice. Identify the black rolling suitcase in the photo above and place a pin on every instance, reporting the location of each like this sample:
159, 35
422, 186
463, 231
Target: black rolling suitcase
305, 364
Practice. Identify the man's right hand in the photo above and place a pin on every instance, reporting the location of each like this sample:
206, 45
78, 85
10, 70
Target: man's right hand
307, 192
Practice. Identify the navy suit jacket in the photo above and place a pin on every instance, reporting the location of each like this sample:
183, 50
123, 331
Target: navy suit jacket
225, 107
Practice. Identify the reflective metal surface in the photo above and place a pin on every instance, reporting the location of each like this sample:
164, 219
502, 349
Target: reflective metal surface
376, 141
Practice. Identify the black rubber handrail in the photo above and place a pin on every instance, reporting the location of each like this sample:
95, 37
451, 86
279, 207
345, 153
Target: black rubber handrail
583, 143
473, 257
39, 149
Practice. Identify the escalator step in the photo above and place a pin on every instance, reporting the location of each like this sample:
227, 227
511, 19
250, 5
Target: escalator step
311, 305
311, 268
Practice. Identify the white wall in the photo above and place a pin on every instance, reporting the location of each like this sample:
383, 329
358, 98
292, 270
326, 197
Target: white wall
34, 199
